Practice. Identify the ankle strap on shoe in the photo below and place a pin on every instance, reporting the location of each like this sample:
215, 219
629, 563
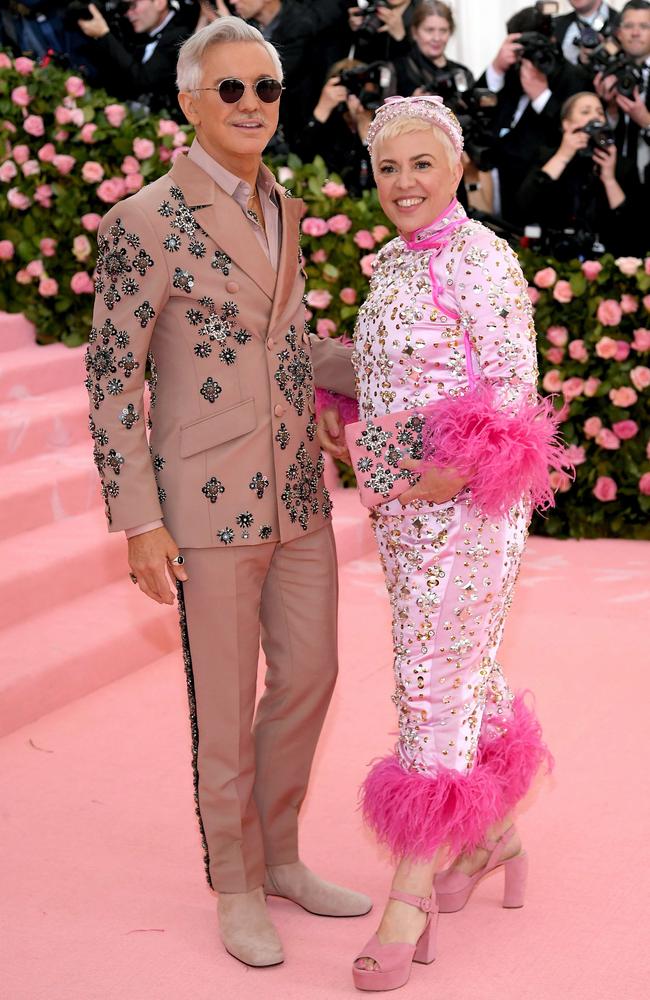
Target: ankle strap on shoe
425, 903
505, 838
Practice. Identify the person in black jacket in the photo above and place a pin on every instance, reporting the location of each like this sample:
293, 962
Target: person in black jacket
566, 28
146, 74
425, 69
585, 189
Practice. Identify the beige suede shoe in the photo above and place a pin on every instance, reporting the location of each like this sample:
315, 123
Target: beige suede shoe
297, 883
246, 929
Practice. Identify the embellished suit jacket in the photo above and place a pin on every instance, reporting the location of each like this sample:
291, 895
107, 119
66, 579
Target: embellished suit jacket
186, 297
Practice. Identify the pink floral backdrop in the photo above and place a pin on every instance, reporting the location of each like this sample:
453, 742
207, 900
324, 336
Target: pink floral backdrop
67, 153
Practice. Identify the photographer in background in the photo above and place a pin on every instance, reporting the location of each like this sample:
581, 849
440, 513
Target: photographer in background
532, 80
626, 95
145, 74
425, 69
584, 187
380, 29
590, 21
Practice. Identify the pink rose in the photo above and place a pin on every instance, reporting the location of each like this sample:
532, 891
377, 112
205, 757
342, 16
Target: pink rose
6, 250
607, 439
578, 351
364, 239
609, 312
319, 256
628, 265
646, 265
115, 114
22, 277
92, 172
591, 386
545, 278
625, 396
24, 66
559, 481
5, 61
90, 221
87, 133
641, 340
166, 127
180, 151
313, 226
644, 484
348, 296
629, 304
47, 287
143, 148
75, 86
134, 182
576, 455
605, 489
339, 224
77, 117
640, 377
180, 139
62, 116
284, 173
47, 246
164, 154
81, 283
591, 269
64, 163
43, 195
622, 350
21, 153
555, 355
325, 328
367, 264
18, 200
572, 388
334, 190
606, 347
318, 298
9, 126
31, 168
35, 268
563, 292
380, 233
130, 165
47, 152
61, 135
33, 125
20, 96
557, 335
625, 429
8, 171
111, 190
81, 248
592, 426
552, 381
533, 294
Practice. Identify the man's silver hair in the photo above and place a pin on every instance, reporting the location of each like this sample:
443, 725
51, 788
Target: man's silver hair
224, 29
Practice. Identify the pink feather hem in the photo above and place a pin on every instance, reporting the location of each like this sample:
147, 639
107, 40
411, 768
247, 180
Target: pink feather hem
505, 454
414, 814
348, 408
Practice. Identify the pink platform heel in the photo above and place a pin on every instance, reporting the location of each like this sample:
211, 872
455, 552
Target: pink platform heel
394, 961
453, 888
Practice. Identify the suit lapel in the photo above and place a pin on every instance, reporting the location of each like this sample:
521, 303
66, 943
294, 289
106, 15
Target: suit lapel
290, 214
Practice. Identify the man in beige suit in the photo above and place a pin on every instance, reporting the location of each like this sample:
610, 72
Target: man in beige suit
198, 281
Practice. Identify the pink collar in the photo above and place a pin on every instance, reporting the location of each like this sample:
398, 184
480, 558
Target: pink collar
436, 234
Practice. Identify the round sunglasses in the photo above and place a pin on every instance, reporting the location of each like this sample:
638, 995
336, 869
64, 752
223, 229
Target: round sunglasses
232, 90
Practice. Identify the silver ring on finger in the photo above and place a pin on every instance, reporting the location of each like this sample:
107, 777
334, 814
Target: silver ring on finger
177, 560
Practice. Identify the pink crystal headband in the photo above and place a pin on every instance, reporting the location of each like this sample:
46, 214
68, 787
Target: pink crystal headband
429, 108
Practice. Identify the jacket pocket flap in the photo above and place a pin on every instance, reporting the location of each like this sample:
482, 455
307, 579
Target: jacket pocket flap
208, 432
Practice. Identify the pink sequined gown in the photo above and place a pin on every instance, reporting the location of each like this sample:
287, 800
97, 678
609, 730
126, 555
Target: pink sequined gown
467, 748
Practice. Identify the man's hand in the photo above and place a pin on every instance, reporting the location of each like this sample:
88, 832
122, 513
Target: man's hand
96, 26
635, 108
393, 20
150, 556
436, 485
572, 142
332, 94
606, 160
360, 116
533, 82
605, 87
331, 436
508, 54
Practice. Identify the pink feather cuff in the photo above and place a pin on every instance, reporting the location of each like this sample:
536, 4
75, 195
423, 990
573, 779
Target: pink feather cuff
505, 454
348, 408
414, 814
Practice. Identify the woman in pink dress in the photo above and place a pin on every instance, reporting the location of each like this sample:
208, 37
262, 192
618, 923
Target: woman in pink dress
446, 331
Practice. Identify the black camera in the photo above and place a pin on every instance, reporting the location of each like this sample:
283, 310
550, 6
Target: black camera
610, 60
371, 21
541, 50
79, 11
601, 136
591, 35
371, 83
474, 107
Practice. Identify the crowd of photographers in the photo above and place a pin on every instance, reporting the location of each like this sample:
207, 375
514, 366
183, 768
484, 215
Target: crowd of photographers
557, 128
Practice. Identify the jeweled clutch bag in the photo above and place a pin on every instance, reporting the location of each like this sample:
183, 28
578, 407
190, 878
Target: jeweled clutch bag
377, 446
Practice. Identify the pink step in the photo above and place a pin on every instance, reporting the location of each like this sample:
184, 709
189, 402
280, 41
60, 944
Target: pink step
57, 563
54, 421
75, 648
47, 488
15, 331
30, 371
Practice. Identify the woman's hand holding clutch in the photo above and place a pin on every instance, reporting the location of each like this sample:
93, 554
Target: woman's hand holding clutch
434, 485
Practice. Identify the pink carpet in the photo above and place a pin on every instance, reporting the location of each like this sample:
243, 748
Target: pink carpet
101, 878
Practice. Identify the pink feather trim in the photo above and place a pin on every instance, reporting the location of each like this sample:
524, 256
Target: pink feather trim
505, 453
414, 814
348, 408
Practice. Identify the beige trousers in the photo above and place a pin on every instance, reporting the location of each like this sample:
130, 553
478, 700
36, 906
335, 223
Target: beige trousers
251, 768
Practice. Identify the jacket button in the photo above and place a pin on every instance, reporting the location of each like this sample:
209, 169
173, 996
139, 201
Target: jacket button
278, 410
232, 286
270, 343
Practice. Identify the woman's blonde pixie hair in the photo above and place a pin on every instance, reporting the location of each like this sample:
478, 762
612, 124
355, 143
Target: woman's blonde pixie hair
409, 125
224, 29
